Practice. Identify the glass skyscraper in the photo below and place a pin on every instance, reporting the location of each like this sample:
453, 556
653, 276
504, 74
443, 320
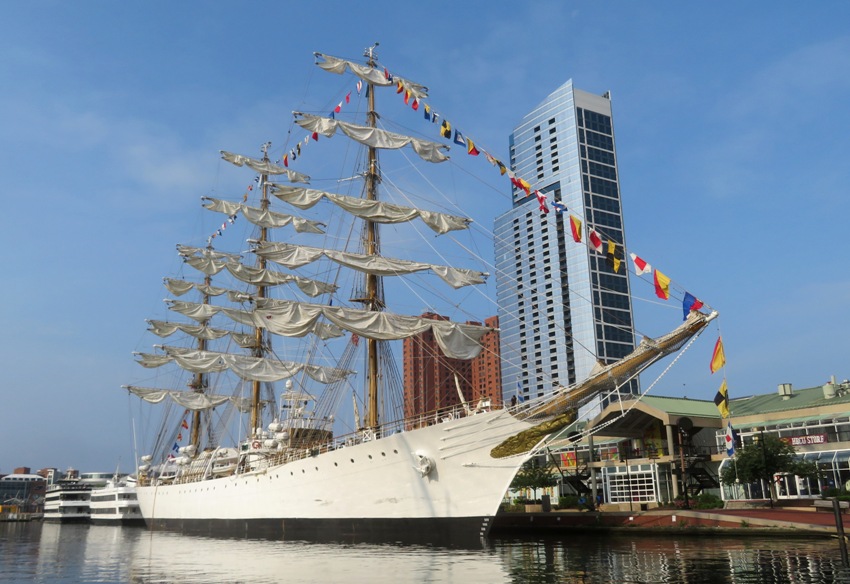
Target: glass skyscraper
562, 307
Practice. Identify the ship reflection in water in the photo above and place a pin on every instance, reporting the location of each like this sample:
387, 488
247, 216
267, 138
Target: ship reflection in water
81, 553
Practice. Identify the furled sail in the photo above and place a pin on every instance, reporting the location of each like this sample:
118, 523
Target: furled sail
210, 263
264, 166
295, 256
207, 252
181, 287
162, 328
377, 211
206, 260
202, 312
263, 277
194, 310
151, 360
249, 340
373, 137
263, 217
369, 74
289, 318
188, 399
245, 366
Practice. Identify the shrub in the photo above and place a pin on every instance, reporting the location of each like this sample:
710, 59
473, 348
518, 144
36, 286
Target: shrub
707, 501
701, 501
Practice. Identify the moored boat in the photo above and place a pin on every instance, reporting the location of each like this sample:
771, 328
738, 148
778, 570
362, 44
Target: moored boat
116, 503
67, 501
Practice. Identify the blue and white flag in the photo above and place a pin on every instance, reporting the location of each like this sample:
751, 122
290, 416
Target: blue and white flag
730, 440
559, 206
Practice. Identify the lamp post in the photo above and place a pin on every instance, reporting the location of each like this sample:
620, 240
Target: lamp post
768, 474
682, 466
685, 426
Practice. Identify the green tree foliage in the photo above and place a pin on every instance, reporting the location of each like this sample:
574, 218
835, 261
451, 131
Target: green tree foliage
764, 458
534, 475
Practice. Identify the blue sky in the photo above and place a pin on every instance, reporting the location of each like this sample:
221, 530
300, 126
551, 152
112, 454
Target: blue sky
731, 128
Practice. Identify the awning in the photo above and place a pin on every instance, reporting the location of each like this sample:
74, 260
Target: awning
796, 421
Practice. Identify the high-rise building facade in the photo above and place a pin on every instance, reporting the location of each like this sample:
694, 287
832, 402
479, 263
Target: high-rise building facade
431, 379
562, 307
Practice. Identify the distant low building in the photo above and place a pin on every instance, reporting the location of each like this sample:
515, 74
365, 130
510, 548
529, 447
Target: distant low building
22, 492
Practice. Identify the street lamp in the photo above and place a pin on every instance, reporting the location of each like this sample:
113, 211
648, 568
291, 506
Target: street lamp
685, 426
768, 474
682, 434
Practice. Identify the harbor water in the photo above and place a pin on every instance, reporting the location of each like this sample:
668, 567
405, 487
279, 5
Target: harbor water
42, 552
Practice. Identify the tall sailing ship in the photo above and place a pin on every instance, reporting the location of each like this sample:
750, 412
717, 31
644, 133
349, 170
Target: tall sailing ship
287, 471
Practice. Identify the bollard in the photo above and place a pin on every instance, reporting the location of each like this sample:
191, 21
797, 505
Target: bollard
839, 526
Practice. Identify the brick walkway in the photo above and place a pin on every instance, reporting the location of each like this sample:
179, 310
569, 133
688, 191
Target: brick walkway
753, 520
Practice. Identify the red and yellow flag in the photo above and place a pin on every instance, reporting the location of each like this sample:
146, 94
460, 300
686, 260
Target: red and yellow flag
718, 358
525, 185
575, 225
662, 285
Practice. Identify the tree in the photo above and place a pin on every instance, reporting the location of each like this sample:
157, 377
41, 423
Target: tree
534, 475
761, 460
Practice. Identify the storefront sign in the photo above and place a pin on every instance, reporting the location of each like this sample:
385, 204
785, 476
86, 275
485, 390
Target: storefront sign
804, 440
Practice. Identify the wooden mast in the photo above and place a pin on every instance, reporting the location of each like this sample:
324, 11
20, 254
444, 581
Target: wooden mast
372, 300
261, 293
199, 383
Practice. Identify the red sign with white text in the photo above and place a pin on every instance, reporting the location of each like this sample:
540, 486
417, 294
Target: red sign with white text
805, 440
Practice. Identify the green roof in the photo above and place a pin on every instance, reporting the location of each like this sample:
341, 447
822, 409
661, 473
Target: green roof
756, 405
772, 402
683, 406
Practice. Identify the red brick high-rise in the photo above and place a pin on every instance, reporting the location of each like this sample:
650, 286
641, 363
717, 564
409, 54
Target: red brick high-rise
487, 366
429, 376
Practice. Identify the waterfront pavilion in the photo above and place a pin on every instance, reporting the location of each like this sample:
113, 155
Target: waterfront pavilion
631, 455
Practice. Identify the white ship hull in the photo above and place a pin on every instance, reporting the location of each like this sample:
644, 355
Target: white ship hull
373, 490
67, 504
115, 505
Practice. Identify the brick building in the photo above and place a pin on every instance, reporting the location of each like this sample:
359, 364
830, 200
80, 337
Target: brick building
431, 379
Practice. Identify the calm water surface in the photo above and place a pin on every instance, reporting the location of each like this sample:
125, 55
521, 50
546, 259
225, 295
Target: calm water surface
36, 552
